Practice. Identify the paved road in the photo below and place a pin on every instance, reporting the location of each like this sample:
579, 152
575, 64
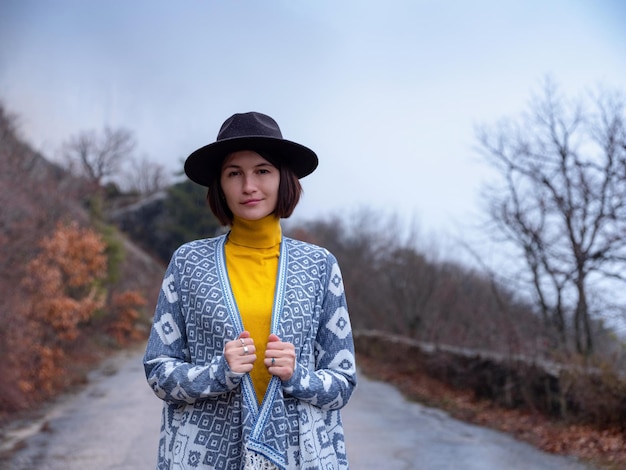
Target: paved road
384, 431
113, 424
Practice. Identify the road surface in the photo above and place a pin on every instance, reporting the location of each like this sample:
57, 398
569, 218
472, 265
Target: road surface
113, 424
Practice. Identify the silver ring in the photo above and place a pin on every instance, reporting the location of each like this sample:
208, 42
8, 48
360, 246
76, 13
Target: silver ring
243, 342
273, 360
245, 350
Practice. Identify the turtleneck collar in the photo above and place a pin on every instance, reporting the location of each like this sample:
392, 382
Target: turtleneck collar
262, 233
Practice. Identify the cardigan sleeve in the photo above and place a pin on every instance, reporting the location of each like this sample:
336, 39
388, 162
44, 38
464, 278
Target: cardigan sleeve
331, 383
168, 367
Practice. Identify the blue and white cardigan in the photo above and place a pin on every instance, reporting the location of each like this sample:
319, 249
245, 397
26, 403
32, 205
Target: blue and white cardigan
211, 417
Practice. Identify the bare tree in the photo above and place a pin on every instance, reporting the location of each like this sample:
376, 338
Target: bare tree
562, 203
145, 177
99, 157
410, 280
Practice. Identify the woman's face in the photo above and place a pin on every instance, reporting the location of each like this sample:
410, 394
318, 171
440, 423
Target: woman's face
250, 184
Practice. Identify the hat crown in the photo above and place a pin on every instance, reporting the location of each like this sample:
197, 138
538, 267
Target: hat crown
250, 124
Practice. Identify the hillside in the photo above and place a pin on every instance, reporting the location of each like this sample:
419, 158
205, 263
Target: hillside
38, 198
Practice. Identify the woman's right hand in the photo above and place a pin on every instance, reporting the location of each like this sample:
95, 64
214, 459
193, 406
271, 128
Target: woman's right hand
240, 353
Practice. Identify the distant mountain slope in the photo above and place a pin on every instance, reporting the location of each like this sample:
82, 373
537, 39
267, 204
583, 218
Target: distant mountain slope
34, 195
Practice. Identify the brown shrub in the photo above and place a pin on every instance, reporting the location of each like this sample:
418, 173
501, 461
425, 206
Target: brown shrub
126, 313
63, 287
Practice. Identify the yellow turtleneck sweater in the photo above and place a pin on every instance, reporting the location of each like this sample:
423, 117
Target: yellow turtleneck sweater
252, 252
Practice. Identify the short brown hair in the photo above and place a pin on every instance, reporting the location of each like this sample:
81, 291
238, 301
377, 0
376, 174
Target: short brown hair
289, 193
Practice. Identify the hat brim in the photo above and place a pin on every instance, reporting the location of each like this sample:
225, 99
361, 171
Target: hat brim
202, 164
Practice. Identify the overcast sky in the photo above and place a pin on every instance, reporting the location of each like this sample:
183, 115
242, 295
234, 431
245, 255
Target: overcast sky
388, 93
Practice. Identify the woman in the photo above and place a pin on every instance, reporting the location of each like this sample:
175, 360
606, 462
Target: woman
251, 347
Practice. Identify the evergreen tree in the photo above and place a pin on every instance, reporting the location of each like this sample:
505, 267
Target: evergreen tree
186, 216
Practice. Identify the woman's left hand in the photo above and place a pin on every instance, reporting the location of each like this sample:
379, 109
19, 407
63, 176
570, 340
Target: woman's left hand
280, 358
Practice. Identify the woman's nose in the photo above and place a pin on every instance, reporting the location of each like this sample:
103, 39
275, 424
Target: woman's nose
249, 184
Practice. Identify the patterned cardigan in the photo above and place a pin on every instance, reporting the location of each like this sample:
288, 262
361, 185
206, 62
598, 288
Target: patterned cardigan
211, 417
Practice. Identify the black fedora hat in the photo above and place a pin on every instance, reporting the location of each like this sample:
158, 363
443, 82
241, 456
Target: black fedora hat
249, 131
